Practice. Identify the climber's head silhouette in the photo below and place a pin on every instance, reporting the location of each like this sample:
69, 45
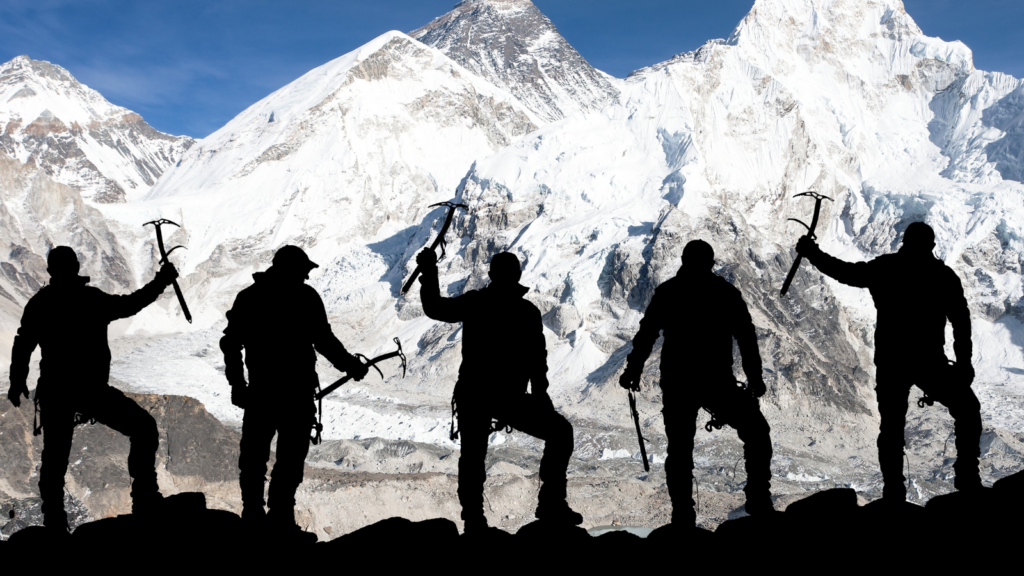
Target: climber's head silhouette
62, 262
291, 262
505, 268
919, 238
698, 256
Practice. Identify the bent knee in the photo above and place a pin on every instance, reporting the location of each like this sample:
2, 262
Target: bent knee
145, 432
563, 431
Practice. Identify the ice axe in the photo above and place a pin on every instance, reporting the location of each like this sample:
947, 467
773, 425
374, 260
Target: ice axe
369, 362
639, 432
318, 424
810, 232
439, 241
163, 260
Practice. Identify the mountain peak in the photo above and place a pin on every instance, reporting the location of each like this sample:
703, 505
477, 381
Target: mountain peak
75, 136
494, 2
514, 46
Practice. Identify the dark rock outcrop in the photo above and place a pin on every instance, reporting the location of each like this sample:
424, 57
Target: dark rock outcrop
822, 527
196, 452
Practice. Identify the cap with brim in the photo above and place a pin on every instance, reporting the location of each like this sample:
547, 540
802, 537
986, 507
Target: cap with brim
293, 257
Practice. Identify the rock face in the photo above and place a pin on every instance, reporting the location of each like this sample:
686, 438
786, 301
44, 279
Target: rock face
514, 46
196, 452
72, 134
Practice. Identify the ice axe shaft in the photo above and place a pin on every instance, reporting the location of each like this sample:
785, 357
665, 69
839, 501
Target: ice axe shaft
639, 433
810, 232
439, 241
164, 253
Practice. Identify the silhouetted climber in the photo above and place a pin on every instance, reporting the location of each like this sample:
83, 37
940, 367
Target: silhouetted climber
68, 321
700, 313
914, 293
503, 350
281, 323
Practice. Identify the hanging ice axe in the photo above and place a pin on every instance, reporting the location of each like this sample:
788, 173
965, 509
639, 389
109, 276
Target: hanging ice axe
810, 232
163, 260
439, 241
318, 425
639, 433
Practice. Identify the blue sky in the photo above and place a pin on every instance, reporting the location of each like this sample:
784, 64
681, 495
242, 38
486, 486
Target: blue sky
189, 66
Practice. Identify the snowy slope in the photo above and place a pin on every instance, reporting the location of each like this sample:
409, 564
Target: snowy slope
346, 156
72, 134
847, 98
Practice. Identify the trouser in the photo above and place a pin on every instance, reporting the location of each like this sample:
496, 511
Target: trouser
730, 406
293, 425
525, 413
110, 407
938, 382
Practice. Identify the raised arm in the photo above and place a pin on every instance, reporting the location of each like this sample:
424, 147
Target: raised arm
435, 306
125, 306
855, 274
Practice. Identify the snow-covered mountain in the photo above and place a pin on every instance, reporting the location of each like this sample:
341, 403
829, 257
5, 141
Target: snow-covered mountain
73, 135
597, 184
513, 45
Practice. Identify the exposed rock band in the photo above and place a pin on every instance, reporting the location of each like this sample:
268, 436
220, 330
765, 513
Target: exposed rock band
278, 325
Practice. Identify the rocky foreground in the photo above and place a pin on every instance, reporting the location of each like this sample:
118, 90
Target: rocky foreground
823, 526
352, 484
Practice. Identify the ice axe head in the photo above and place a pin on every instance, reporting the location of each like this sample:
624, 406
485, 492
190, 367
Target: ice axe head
817, 208
813, 194
451, 205
401, 355
160, 238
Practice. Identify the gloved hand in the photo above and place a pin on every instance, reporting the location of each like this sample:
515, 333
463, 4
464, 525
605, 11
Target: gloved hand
167, 274
630, 379
756, 386
239, 394
426, 260
806, 246
15, 392
357, 370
